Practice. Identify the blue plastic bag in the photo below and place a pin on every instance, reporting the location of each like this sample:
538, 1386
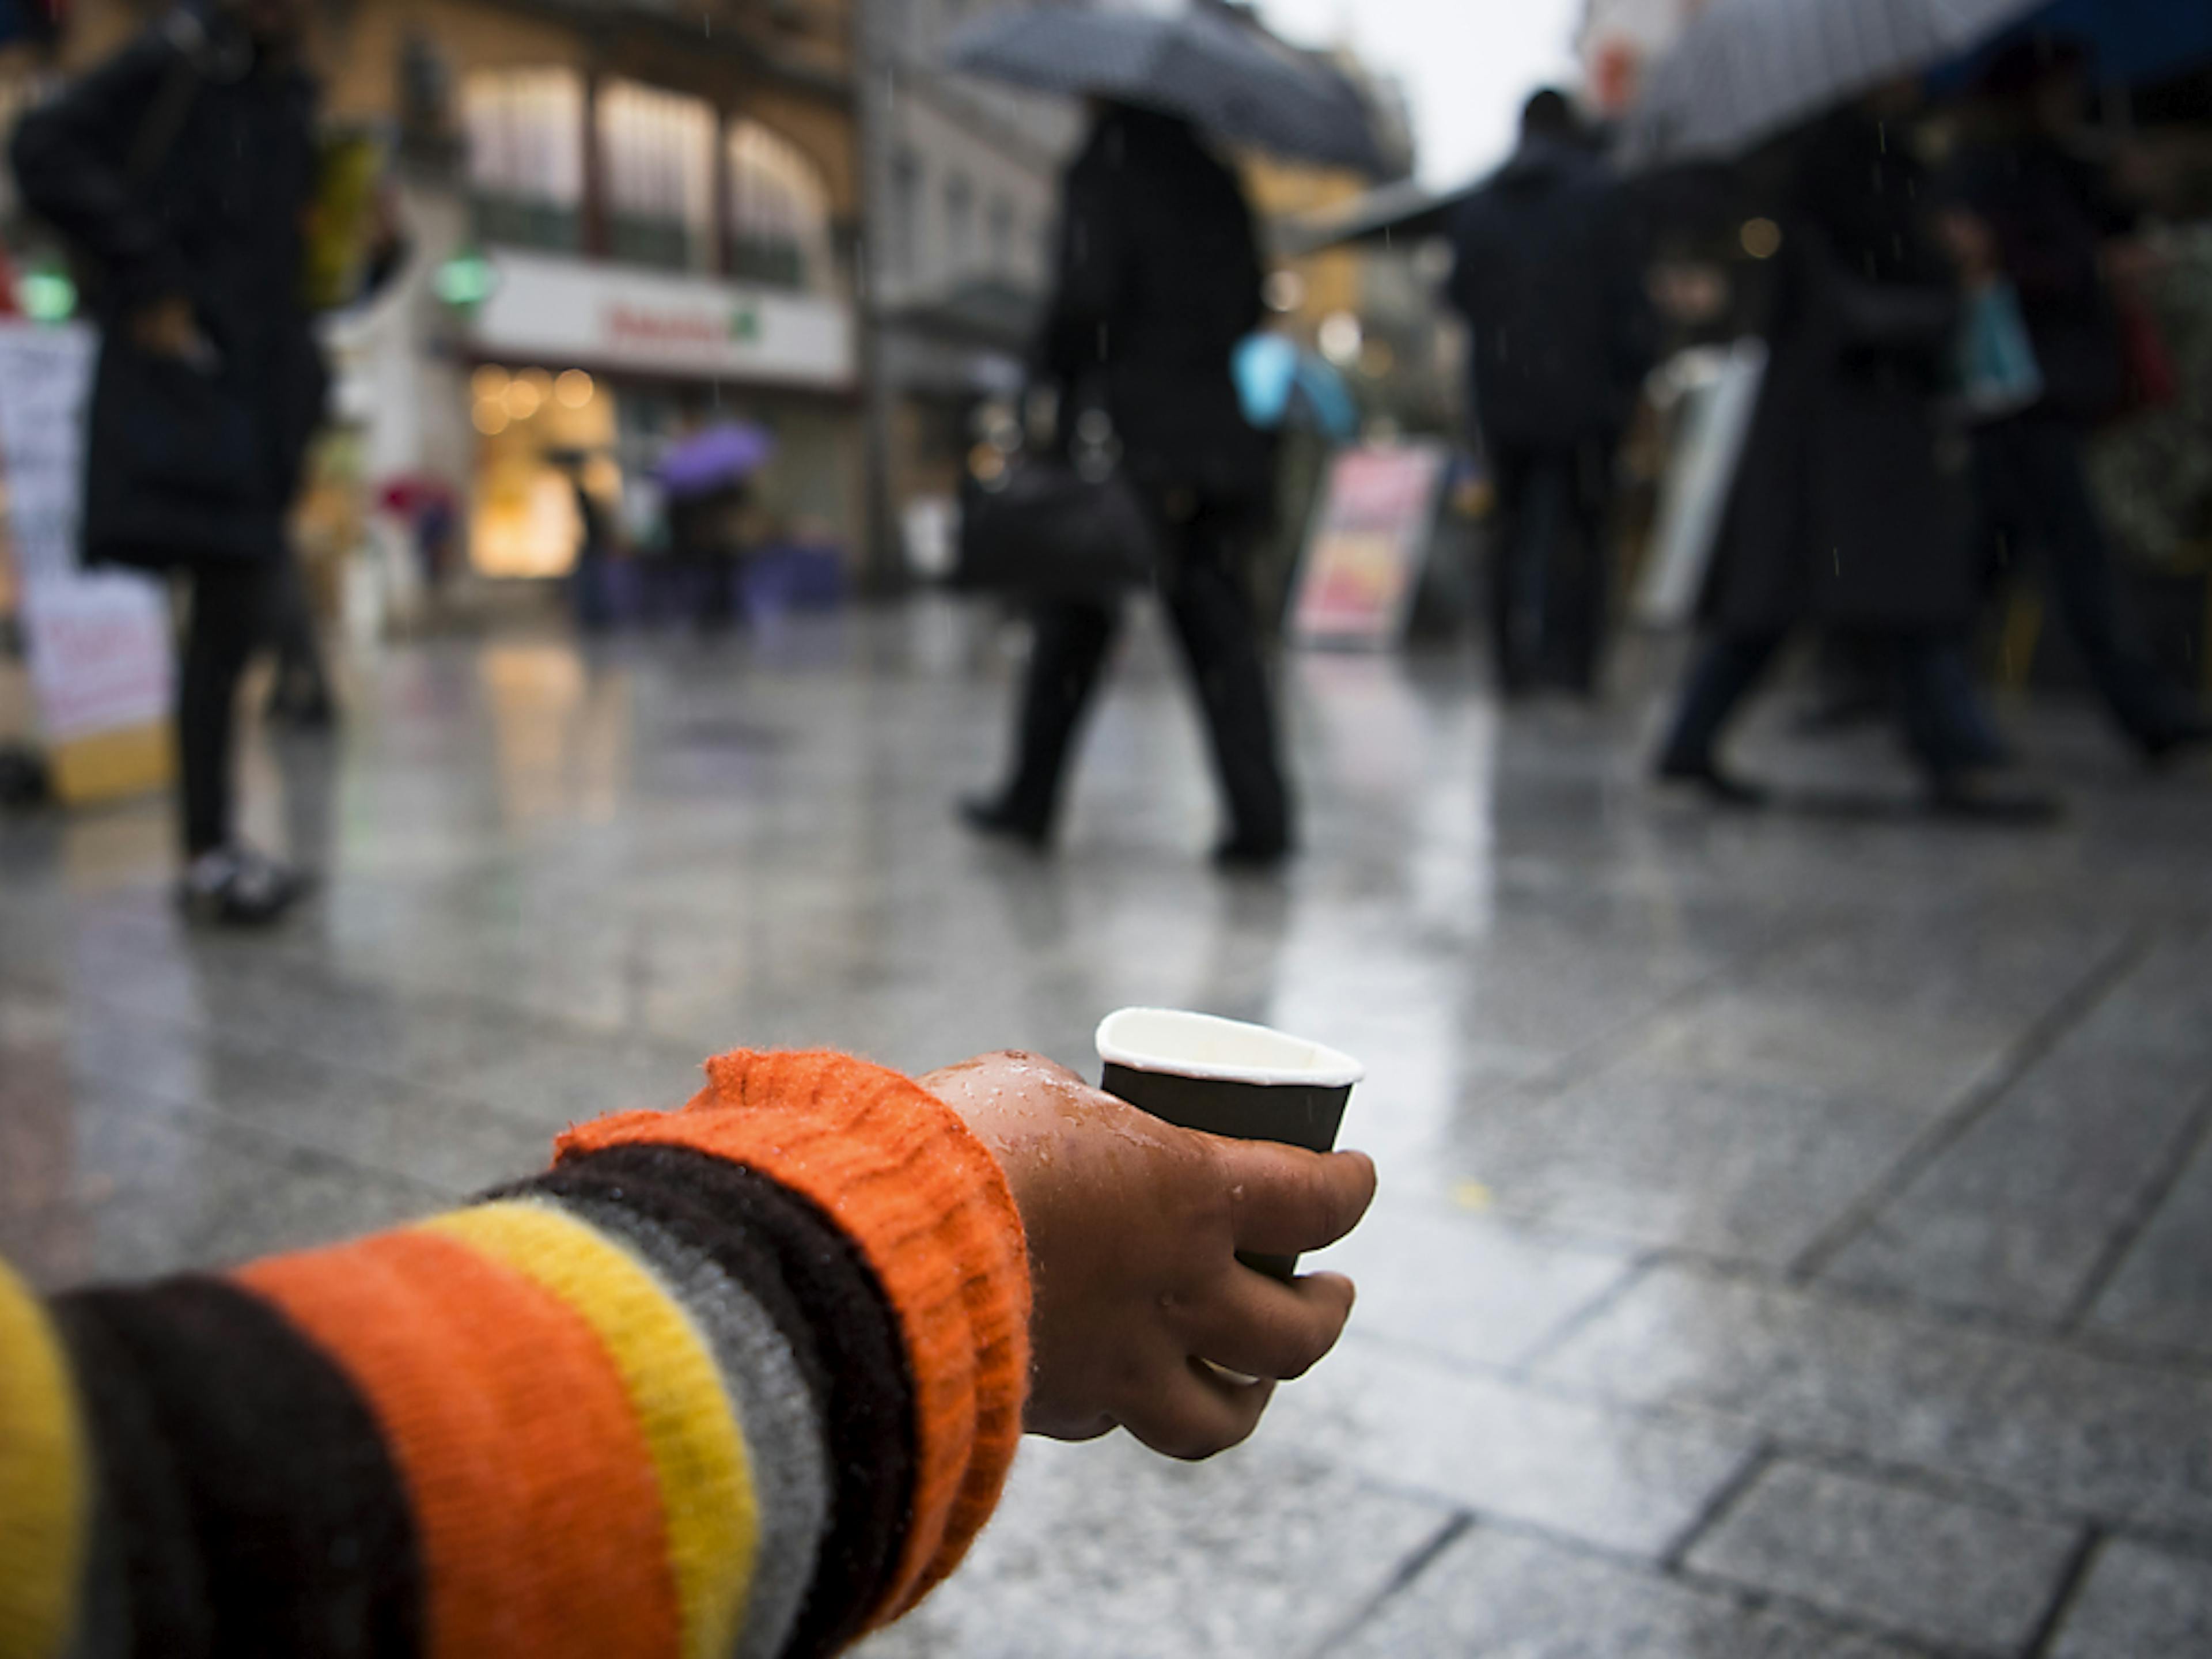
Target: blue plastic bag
1996, 366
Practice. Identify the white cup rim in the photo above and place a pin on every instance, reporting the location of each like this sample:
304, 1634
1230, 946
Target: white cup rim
1183, 1043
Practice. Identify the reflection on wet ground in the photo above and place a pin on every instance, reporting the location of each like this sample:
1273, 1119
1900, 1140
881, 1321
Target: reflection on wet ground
1794, 1229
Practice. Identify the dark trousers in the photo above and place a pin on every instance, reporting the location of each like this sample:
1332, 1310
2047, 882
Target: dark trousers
230, 616
1548, 573
1944, 723
2035, 497
1212, 620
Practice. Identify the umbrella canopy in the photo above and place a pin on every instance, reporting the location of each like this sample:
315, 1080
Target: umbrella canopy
2127, 42
1746, 70
1402, 209
1225, 75
714, 457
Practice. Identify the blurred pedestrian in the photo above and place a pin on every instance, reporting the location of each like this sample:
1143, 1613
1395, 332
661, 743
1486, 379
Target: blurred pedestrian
591, 581
1842, 518
1158, 278
1544, 272
2036, 214
184, 168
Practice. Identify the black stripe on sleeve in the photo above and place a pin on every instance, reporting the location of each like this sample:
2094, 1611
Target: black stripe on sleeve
262, 1513
814, 1282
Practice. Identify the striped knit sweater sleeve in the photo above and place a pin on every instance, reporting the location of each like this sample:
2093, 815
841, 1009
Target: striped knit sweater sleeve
743, 1379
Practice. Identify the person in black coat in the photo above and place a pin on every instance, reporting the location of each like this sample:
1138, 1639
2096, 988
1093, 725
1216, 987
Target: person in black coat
183, 169
1843, 517
1158, 278
2031, 212
1544, 272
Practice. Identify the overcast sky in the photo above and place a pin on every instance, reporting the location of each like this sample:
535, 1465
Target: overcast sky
1466, 63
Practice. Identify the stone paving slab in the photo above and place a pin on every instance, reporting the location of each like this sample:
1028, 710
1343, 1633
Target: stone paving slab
1747, 1170
1104, 1551
1466, 1286
1496, 1595
229, 1195
1627, 1482
1957, 1574
2018, 1214
2139, 1603
2082, 1433
2162, 1291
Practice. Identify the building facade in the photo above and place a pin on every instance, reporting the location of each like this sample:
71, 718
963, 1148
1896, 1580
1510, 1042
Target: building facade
625, 220
961, 251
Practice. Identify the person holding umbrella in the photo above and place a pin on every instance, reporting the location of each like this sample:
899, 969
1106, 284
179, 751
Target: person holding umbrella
2031, 212
1545, 274
1158, 279
1842, 518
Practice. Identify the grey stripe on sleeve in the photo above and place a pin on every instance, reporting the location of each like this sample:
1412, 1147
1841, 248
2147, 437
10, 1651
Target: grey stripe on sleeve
777, 1413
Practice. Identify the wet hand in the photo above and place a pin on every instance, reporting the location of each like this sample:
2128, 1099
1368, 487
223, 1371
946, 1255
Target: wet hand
1144, 1317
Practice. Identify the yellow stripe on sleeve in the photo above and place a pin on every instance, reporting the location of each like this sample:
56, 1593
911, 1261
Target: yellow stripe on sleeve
45, 1500
668, 1370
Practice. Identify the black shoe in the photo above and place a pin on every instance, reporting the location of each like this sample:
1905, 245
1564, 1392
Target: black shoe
1967, 799
237, 887
995, 818
1722, 789
1252, 852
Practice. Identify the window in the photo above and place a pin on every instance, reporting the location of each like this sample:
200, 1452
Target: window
779, 210
526, 133
658, 152
906, 212
1002, 236
959, 225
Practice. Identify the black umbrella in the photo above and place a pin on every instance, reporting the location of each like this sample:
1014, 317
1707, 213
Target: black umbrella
1747, 69
1201, 62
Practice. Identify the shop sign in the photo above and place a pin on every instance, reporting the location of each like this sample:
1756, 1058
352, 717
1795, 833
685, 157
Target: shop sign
98, 643
547, 310
1368, 540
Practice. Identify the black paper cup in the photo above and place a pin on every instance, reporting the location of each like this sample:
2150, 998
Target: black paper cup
1228, 1078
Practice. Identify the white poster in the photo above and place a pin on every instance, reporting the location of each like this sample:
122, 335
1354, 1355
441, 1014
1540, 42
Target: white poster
98, 643
1710, 435
1367, 544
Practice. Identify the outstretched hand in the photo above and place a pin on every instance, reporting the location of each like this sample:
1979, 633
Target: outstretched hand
1144, 1317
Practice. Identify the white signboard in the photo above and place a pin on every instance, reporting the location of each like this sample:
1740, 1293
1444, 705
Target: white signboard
549, 310
98, 643
1710, 432
1367, 544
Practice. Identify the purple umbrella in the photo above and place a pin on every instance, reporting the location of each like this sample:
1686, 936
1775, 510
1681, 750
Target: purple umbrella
719, 455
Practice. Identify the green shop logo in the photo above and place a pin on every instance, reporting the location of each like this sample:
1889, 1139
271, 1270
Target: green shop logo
745, 324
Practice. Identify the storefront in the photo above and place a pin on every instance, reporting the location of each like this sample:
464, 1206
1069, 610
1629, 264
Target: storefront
586, 370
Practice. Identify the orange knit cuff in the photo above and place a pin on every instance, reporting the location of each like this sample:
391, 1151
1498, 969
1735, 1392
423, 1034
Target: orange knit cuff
927, 1206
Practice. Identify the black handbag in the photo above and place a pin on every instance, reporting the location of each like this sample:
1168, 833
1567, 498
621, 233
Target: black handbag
1045, 525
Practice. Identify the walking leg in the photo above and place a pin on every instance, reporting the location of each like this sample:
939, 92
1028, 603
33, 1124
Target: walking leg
1066, 653
1727, 669
1212, 619
228, 617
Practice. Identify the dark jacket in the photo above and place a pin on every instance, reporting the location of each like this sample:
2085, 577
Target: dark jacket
1845, 513
2052, 213
1158, 278
1544, 272
183, 166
